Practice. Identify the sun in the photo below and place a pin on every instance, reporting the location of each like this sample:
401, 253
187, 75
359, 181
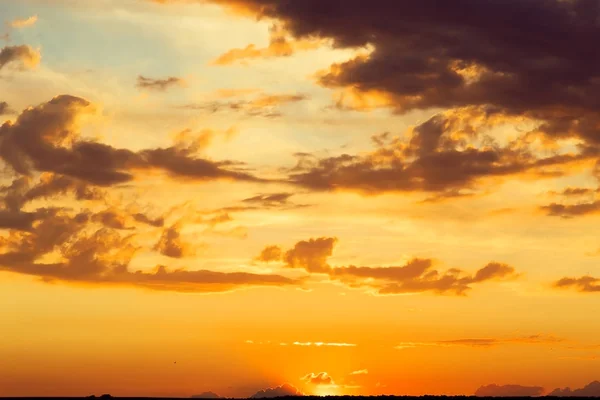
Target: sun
327, 390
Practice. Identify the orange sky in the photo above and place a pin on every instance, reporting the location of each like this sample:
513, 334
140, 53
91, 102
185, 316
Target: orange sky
234, 195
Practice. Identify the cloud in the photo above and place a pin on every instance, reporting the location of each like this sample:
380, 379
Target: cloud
206, 395
441, 156
26, 56
453, 64
269, 200
262, 105
46, 138
360, 372
322, 378
509, 391
25, 22
539, 72
590, 390
482, 342
279, 391
279, 46
572, 210
585, 284
172, 245
96, 248
311, 255
4, 108
160, 85
323, 344
270, 253
416, 276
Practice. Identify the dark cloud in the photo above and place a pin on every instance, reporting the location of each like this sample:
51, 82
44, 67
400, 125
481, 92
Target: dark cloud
438, 158
25, 56
322, 378
590, 390
158, 84
88, 255
143, 218
46, 139
279, 391
269, 200
172, 245
433, 54
572, 210
416, 276
509, 391
585, 284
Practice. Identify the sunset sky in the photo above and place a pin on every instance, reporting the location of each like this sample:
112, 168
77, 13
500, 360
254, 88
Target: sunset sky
343, 196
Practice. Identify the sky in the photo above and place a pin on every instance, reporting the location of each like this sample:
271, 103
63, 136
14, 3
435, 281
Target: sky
300, 197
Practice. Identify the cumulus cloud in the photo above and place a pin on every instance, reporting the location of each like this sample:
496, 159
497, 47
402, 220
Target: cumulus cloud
322, 378
24, 56
24, 22
279, 391
416, 276
452, 64
46, 138
160, 85
544, 77
509, 391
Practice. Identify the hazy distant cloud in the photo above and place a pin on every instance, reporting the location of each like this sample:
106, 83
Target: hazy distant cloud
270, 253
263, 105
4, 108
25, 56
509, 391
46, 138
360, 372
158, 84
590, 390
25, 22
279, 46
322, 378
585, 284
206, 395
416, 276
323, 344
483, 342
279, 391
